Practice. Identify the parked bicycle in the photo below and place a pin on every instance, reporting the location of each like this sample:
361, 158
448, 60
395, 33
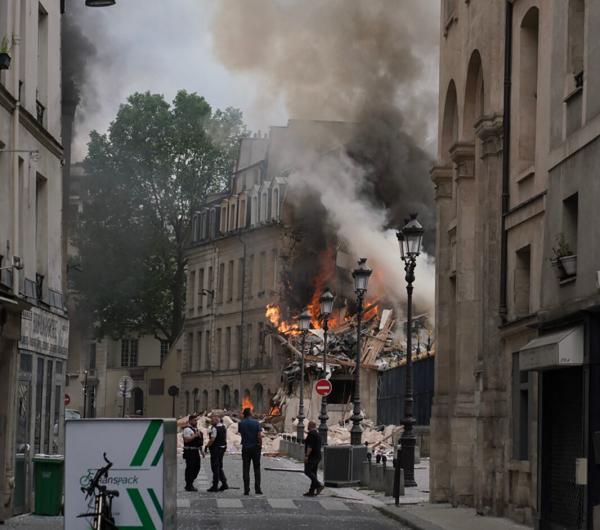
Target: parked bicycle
102, 518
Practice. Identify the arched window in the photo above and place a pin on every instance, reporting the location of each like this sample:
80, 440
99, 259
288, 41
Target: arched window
196, 404
236, 399
187, 402
474, 97
528, 88
217, 398
449, 123
137, 395
254, 211
205, 400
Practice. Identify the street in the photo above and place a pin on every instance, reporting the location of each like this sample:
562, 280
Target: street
281, 505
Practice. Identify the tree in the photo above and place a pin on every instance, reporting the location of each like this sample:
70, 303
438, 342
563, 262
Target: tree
145, 178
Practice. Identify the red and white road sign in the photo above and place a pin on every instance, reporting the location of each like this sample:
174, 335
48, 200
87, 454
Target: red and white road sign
323, 387
67, 399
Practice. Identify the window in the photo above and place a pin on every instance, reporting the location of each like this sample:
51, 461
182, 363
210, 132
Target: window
230, 281
240, 278
190, 352
39, 400
250, 276
238, 344
92, 356
191, 286
570, 221
262, 272
207, 353
249, 343
274, 278
41, 224
520, 406
528, 79
221, 283
199, 361
218, 348
156, 387
276, 204
227, 360
217, 398
211, 280
522, 282
576, 31
261, 333
164, 350
129, 353
201, 292
42, 57
47, 416
232, 223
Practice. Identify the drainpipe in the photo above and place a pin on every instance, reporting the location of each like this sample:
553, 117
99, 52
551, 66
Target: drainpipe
16, 41
506, 155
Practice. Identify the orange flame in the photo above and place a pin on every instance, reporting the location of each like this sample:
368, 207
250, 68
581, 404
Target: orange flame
275, 411
371, 312
273, 313
325, 276
247, 403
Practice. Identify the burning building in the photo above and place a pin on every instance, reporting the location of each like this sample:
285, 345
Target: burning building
240, 259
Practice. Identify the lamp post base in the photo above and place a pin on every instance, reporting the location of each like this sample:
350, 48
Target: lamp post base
407, 459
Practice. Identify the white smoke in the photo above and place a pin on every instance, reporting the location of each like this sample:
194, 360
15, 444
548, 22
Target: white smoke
338, 181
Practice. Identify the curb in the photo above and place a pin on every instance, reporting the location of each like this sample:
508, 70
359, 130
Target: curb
408, 519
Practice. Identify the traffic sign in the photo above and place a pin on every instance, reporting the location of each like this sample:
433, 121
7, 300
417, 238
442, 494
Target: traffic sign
323, 387
67, 400
125, 384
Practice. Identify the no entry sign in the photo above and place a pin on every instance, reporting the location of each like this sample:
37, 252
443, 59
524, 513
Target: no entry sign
67, 400
323, 387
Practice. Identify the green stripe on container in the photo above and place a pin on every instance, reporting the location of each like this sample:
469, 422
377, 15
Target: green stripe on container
156, 503
158, 454
140, 508
146, 443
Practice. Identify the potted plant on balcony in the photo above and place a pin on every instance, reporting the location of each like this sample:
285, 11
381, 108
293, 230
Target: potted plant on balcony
4, 54
565, 260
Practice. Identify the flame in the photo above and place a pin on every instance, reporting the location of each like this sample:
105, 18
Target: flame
372, 310
247, 403
273, 313
275, 411
325, 276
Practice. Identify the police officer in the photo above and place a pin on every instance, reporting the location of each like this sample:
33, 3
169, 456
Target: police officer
193, 440
217, 444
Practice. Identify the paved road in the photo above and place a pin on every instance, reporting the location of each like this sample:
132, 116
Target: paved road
281, 506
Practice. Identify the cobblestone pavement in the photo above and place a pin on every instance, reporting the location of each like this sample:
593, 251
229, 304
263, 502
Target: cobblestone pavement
281, 506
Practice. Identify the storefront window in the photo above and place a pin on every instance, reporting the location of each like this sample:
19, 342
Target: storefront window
39, 400
47, 408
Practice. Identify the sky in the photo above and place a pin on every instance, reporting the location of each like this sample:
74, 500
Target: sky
161, 46
166, 45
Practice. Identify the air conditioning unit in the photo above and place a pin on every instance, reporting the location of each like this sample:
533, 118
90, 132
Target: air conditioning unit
342, 464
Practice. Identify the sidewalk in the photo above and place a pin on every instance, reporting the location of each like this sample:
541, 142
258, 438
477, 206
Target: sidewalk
415, 510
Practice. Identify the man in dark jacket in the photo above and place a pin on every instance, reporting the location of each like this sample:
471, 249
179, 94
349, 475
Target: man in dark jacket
312, 457
217, 444
251, 433
192, 447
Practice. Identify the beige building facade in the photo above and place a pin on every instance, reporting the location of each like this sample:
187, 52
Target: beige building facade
512, 429
33, 323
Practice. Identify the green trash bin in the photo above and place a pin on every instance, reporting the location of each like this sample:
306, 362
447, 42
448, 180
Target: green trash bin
48, 472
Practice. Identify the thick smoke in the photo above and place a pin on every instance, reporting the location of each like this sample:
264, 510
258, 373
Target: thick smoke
371, 63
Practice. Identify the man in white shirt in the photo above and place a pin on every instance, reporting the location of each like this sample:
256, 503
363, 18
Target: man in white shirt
193, 440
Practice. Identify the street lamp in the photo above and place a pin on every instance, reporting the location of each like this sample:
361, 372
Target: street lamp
304, 322
361, 281
325, 309
409, 238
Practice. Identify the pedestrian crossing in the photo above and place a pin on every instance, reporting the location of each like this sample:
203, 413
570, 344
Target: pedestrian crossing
327, 504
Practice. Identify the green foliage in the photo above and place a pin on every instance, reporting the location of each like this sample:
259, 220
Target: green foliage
144, 180
4, 45
562, 248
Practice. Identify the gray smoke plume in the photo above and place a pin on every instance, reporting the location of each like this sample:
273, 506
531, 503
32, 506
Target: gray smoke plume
368, 62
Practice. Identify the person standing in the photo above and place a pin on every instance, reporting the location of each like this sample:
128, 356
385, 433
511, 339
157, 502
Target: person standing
251, 433
312, 457
217, 444
193, 440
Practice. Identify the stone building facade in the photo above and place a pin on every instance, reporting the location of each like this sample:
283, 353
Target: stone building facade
237, 247
33, 323
516, 404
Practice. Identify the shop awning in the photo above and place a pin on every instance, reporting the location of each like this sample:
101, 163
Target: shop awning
555, 350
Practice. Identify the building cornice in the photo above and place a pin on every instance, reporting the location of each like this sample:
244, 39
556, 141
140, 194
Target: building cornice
442, 180
6, 99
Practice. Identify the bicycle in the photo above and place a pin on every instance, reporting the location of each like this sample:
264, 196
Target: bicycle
103, 497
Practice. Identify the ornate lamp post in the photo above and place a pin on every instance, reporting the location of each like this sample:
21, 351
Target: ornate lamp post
410, 246
361, 280
325, 309
304, 322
